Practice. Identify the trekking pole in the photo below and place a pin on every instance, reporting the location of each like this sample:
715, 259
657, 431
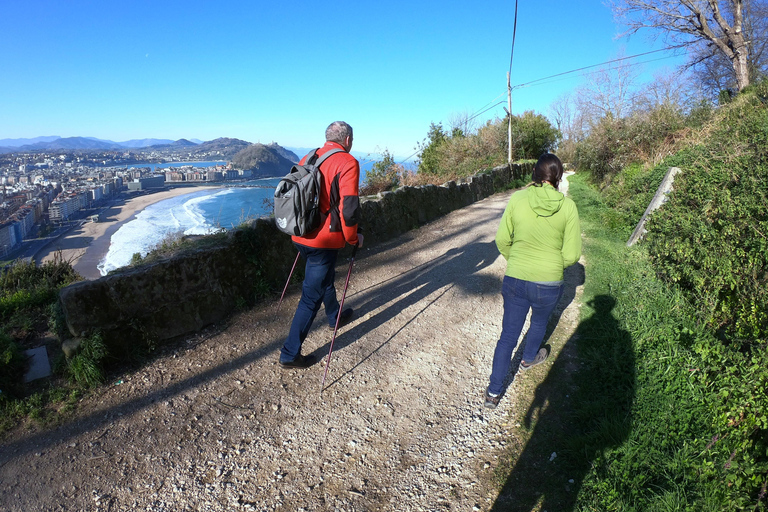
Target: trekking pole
289, 280
341, 308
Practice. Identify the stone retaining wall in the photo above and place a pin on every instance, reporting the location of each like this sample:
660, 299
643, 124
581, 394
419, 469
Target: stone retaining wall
184, 293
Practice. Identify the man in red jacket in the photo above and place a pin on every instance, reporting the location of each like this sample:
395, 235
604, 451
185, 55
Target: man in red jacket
339, 197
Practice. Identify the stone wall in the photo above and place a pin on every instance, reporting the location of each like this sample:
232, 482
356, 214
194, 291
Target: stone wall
186, 292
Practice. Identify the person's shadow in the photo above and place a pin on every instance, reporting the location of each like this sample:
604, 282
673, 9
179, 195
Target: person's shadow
456, 269
582, 408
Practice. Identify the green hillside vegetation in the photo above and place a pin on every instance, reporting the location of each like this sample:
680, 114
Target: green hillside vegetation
29, 312
264, 161
668, 408
463, 151
686, 428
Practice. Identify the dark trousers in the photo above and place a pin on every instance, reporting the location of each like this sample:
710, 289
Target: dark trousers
520, 297
318, 289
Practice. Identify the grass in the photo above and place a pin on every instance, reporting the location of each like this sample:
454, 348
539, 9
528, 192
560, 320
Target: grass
177, 243
625, 404
30, 317
45, 407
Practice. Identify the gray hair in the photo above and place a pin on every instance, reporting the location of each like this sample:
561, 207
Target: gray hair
338, 131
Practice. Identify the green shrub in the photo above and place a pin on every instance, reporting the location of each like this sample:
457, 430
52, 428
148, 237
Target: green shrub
27, 292
85, 367
12, 365
598, 154
532, 135
698, 436
383, 175
711, 238
628, 196
644, 137
446, 157
429, 162
56, 321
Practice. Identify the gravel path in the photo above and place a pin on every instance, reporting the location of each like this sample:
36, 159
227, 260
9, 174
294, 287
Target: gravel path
215, 424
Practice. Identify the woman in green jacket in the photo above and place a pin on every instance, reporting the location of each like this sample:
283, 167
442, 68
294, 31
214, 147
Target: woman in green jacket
539, 236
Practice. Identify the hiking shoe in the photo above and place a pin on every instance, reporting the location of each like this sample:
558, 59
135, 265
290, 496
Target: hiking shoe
344, 318
300, 362
541, 356
491, 401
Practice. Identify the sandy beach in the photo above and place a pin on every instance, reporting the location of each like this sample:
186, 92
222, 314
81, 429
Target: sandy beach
86, 245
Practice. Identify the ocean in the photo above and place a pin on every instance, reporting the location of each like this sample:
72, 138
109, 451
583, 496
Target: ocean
197, 213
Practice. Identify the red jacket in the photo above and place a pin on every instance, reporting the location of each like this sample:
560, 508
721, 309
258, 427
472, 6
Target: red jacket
341, 176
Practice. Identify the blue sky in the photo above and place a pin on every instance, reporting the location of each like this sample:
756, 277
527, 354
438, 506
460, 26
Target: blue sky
282, 71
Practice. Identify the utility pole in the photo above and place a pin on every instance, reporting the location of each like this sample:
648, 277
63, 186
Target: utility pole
509, 120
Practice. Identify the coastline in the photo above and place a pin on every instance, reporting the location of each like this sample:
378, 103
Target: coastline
86, 245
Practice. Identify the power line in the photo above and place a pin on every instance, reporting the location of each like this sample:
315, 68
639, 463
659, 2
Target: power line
514, 33
483, 109
486, 110
558, 78
601, 64
494, 99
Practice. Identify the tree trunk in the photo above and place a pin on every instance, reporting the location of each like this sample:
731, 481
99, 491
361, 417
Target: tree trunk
741, 67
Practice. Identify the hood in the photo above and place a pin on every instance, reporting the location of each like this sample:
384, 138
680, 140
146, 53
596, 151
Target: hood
545, 201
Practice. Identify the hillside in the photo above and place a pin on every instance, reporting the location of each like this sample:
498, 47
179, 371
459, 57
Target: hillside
285, 153
214, 423
265, 161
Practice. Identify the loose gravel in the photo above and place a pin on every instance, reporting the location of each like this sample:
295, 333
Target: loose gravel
214, 423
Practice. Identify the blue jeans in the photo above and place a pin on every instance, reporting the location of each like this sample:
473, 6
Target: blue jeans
520, 296
318, 288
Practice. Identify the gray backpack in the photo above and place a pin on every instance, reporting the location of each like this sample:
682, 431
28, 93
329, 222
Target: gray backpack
297, 196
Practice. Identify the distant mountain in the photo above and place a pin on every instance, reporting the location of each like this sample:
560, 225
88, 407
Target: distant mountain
300, 151
264, 161
227, 147
178, 144
143, 143
15, 143
71, 143
184, 143
363, 158
224, 146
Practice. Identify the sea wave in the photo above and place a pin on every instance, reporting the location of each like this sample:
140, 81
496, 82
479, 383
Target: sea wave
197, 213
154, 224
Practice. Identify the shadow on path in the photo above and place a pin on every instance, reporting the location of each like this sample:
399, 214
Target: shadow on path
457, 268
96, 420
580, 409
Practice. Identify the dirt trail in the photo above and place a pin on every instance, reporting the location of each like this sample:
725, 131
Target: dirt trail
216, 424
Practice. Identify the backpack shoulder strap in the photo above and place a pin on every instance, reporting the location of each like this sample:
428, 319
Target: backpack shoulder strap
311, 157
328, 153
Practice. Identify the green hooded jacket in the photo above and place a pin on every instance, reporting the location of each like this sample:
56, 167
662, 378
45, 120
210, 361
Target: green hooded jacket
539, 234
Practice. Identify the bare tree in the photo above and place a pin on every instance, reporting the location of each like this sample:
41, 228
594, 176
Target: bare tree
608, 91
562, 112
718, 24
669, 88
462, 122
713, 69
567, 117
